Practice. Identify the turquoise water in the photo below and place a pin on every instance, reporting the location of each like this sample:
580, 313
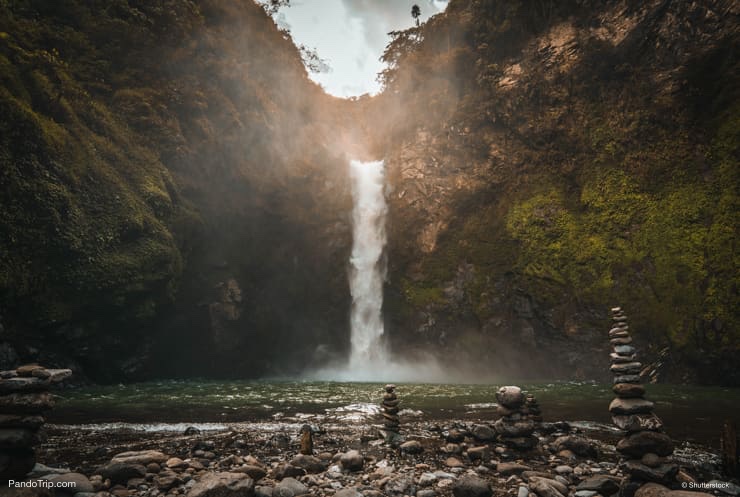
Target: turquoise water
690, 412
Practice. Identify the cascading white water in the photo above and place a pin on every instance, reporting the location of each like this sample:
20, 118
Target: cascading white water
367, 271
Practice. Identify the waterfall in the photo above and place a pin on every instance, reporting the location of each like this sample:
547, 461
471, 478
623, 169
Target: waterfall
367, 267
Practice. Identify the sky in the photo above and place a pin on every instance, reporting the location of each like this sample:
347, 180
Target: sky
350, 35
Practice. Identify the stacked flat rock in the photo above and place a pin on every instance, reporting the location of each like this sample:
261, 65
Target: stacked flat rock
645, 447
391, 421
515, 426
24, 398
532, 408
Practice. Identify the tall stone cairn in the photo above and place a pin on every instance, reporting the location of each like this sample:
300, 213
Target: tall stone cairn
645, 448
389, 406
515, 426
24, 398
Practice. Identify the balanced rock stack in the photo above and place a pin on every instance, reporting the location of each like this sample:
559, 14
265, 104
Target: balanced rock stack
514, 428
645, 447
24, 397
391, 421
532, 408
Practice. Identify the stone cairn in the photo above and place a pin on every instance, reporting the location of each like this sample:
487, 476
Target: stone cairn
532, 408
24, 398
391, 421
645, 447
515, 426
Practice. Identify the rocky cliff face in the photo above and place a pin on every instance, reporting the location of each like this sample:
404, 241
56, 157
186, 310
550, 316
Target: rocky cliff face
174, 200
173, 197
554, 158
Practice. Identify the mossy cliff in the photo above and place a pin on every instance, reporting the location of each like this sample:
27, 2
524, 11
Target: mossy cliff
556, 158
166, 186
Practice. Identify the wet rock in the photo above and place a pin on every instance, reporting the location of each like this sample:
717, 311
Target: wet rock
510, 397
511, 468
620, 406
77, 481
626, 368
352, 461
638, 422
223, 485
665, 473
640, 443
627, 378
479, 453
578, 445
471, 486
601, 484
629, 390
411, 447
254, 472
311, 464
119, 472
483, 433
143, 457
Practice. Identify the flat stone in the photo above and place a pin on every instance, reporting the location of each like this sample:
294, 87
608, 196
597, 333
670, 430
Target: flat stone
454, 462
652, 490
619, 359
621, 406
602, 484
665, 473
254, 472
626, 368
638, 422
640, 443
627, 378
173, 462
520, 443
510, 396
471, 486
511, 468
628, 390
143, 457
545, 488
27, 369
619, 333
585, 493
652, 460
625, 350
26, 403
621, 341
223, 485
311, 464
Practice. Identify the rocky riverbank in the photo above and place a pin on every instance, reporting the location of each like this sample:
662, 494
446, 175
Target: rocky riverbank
463, 459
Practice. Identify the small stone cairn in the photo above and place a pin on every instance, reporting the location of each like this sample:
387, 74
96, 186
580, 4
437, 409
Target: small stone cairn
515, 426
532, 408
24, 398
645, 447
391, 421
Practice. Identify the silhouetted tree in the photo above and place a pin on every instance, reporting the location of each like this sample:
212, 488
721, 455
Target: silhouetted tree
415, 13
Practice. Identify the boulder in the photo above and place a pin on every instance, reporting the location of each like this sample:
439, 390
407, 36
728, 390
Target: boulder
640, 443
292, 485
471, 486
119, 472
483, 433
352, 461
510, 397
223, 485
